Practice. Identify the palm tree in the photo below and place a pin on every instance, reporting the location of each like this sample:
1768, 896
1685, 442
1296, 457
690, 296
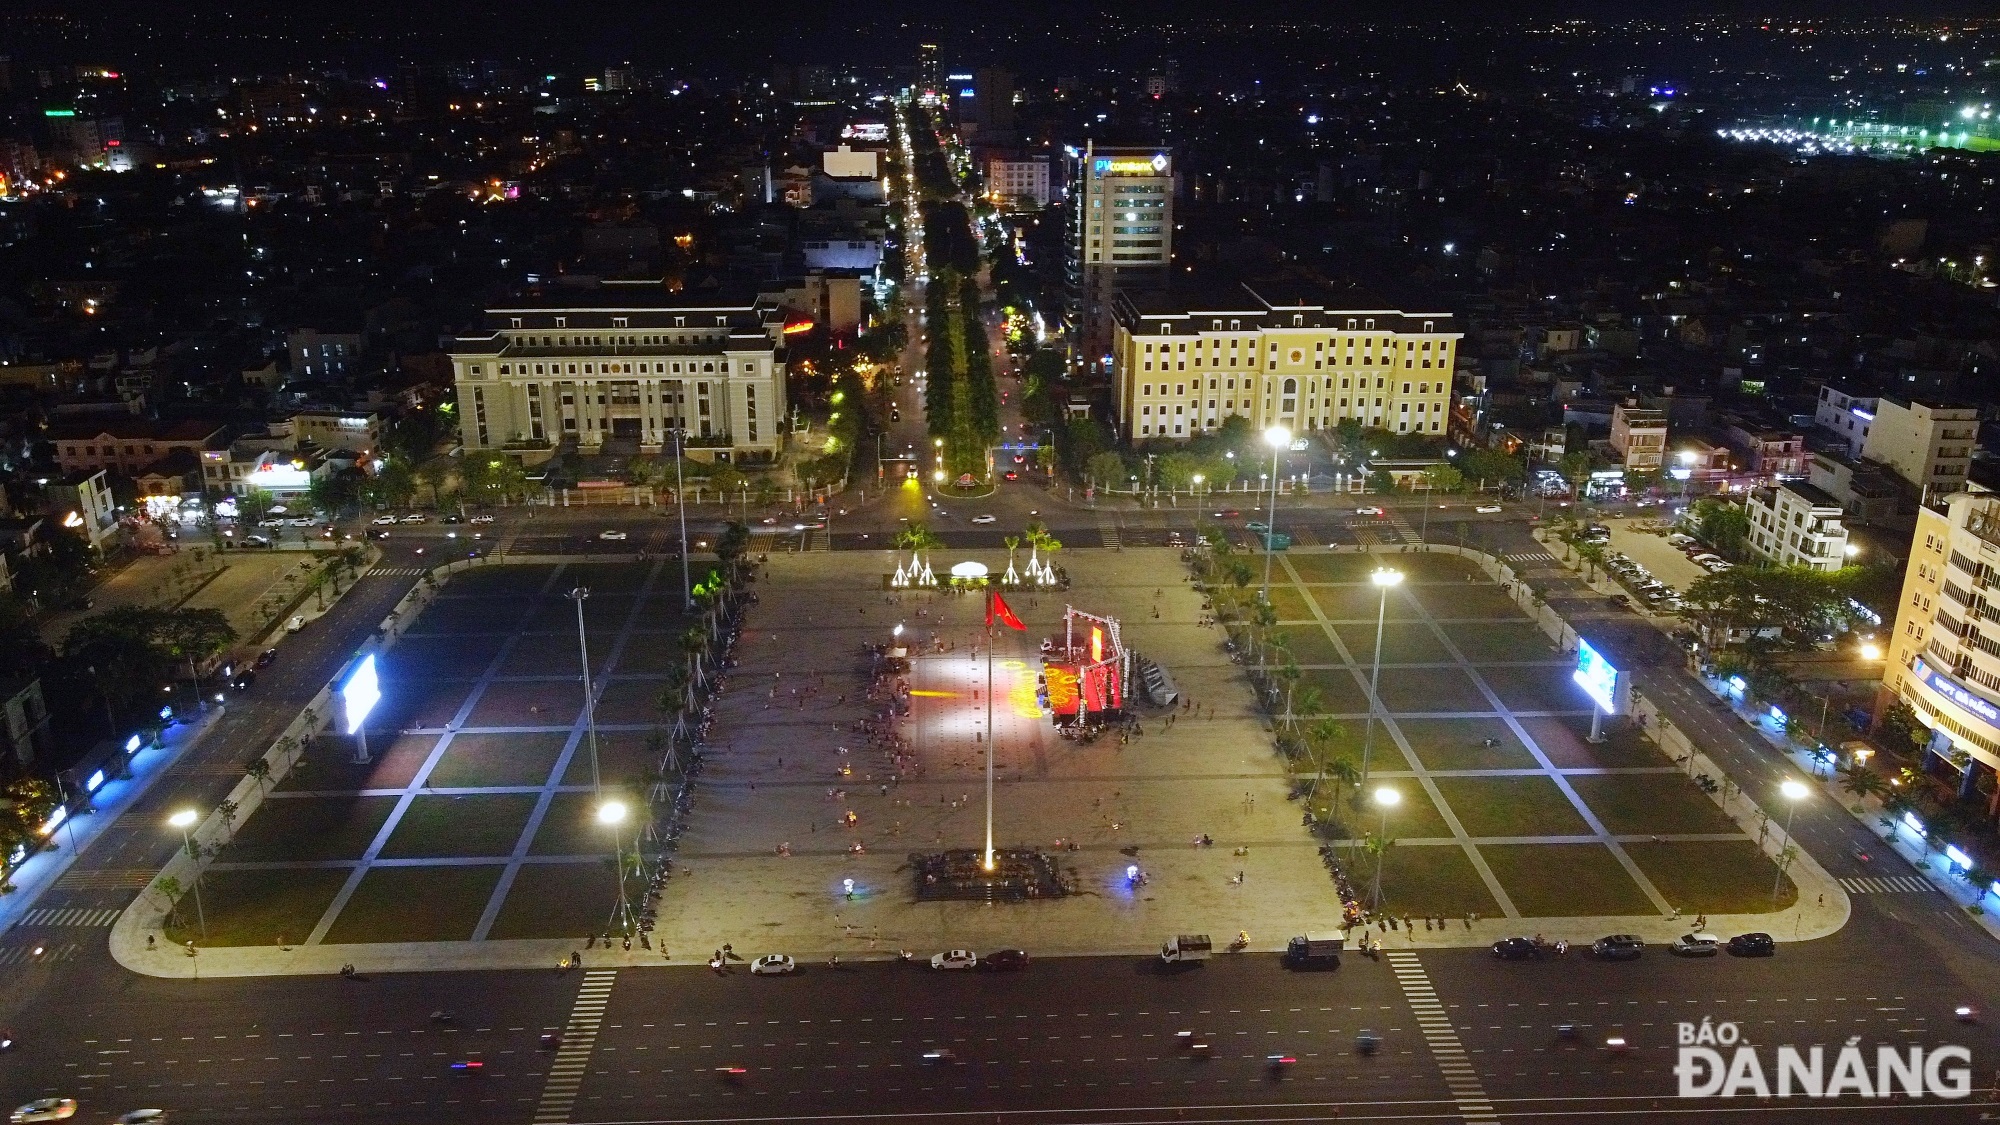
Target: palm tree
260, 770
1013, 543
694, 643
1299, 700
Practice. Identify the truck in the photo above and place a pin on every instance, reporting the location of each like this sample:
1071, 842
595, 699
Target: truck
1186, 949
1315, 950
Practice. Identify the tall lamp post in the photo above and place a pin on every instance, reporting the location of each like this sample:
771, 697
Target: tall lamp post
579, 596
680, 502
185, 820
1793, 792
611, 814
1278, 438
1384, 579
1385, 799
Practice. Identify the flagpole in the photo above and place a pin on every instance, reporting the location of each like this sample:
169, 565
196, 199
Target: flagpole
990, 596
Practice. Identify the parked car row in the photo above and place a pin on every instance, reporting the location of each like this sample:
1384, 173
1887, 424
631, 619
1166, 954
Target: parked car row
1657, 594
1694, 549
1630, 947
998, 961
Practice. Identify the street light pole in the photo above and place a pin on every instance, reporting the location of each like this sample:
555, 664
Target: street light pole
680, 502
611, 814
579, 595
1383, 578
1277, 437
185, 820
1794, 792
1385, 799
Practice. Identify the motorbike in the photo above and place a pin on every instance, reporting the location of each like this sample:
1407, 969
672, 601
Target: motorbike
1241, 943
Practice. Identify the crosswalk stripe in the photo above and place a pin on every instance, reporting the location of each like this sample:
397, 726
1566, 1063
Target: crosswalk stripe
1887, 884
1446, 1050
70, 916
565, 1077
1532, 556
108, 879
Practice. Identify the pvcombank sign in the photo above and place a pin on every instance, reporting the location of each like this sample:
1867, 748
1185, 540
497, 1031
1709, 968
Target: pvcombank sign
1130, 166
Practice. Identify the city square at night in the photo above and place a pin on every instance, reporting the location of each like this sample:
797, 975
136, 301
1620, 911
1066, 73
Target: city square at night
1060, 566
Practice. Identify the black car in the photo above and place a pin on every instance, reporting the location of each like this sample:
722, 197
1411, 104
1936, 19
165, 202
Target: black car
1619, 947
1752, 945
243, 680
1004, 961
264, 658
377, 533
1518, 949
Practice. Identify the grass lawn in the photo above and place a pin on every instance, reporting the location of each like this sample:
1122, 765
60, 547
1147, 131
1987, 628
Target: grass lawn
417, 657
465, 825
1565, 880
1290, 604
1724, 877
630, 701
1481, 643
496, 759
1310, 644
1430, 689
1314, 566
330, 767
570, 826
310, 828
1544, 688
529, 703
1477, 600
1426, 879
622, 757
1566, 743
1511, 806
1360, 604
256, 907
1436, 568
1666, 804
1338, 693
1402, 643
415, 904
1455, 744
1414, 818
559, 900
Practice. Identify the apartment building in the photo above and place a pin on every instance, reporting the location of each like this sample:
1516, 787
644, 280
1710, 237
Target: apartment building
125, 444
1639, 436
1944, 656
1770, 454
1927, 443
1018, 181
1794, 524
1845, 416
633, 370
1184, 362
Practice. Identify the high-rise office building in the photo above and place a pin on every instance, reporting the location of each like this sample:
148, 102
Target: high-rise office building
1121, 235
992, 105
930, 75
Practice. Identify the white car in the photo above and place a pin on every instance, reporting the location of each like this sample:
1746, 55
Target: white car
482, 519
270, 521
414, 517
45, 1109
1695, 945
613, 534
1487, 509
383, 521
772, 965
956, 959
1367, 511
984, 519
296, 624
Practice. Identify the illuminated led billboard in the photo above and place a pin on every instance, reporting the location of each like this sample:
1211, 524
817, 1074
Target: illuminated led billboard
1596, 676
361, 692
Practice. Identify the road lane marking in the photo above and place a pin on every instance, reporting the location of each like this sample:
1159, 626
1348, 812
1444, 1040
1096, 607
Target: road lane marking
565, 1075
1446, 1051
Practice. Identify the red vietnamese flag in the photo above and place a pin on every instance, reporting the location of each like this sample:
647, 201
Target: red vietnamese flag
996, 610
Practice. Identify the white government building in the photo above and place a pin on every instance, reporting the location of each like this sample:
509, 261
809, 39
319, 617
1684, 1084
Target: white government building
628, 367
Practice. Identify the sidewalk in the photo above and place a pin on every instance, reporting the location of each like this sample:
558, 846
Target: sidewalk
112, 800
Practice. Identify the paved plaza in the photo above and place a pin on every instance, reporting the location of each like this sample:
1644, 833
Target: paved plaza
470, 837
